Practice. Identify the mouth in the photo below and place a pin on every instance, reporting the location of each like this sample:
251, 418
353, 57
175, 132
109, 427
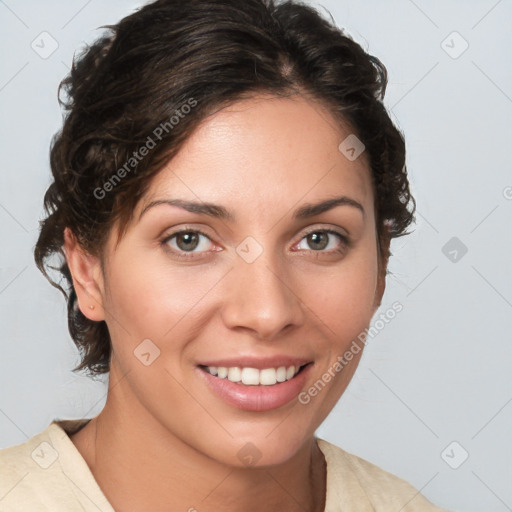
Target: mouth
247, 376
256, 389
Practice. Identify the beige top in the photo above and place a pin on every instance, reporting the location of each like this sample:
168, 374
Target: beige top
48, 473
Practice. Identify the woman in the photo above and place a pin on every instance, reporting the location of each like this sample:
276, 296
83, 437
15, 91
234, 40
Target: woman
226, 186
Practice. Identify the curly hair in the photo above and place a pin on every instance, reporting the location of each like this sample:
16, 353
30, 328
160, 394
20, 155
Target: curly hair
141, 73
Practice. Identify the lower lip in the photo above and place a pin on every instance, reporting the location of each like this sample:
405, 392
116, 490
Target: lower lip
257, 398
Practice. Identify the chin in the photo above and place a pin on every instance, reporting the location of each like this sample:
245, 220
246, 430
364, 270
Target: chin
262, 443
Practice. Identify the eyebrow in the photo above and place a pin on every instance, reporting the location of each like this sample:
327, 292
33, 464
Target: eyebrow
216, 211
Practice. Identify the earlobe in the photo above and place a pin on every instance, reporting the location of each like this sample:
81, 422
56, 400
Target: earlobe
87, 277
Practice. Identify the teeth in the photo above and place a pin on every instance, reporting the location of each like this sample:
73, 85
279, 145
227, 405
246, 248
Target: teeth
253, 376
281, 374
235, 374
268, 377
250, 376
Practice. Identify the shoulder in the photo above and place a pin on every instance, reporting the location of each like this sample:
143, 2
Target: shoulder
20, 459
31, 476
349, 474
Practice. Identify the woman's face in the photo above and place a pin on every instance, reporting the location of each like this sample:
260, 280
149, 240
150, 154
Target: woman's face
258, 279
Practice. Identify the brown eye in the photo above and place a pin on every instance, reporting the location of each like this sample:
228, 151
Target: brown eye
324, 240
318, 240
187, 241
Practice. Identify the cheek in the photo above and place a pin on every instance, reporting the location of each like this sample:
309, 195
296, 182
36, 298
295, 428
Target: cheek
343, 304
343, 297
148, 296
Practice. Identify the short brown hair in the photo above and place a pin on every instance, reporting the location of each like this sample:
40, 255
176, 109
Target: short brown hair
171, 53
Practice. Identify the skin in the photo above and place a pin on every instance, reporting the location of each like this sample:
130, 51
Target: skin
163, 436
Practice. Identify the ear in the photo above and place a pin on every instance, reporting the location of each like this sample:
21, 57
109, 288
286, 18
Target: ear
383, 258
87, 277
381, 286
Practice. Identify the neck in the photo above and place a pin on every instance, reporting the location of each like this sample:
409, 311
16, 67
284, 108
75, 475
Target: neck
141, 465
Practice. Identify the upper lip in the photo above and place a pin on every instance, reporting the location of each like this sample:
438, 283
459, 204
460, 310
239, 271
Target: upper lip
260, 363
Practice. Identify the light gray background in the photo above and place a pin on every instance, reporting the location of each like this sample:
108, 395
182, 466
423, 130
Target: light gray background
440, 371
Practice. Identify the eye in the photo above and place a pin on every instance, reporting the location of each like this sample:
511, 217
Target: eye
324, 240
187, 241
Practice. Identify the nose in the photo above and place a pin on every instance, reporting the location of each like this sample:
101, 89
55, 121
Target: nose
260, 298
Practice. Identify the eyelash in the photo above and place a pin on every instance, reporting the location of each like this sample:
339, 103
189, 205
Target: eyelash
345, 242
182, 255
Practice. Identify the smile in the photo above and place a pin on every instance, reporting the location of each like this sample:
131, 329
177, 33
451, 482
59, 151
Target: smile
252, 376
256, 389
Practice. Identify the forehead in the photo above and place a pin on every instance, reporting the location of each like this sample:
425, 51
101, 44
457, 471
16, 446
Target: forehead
265, 154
